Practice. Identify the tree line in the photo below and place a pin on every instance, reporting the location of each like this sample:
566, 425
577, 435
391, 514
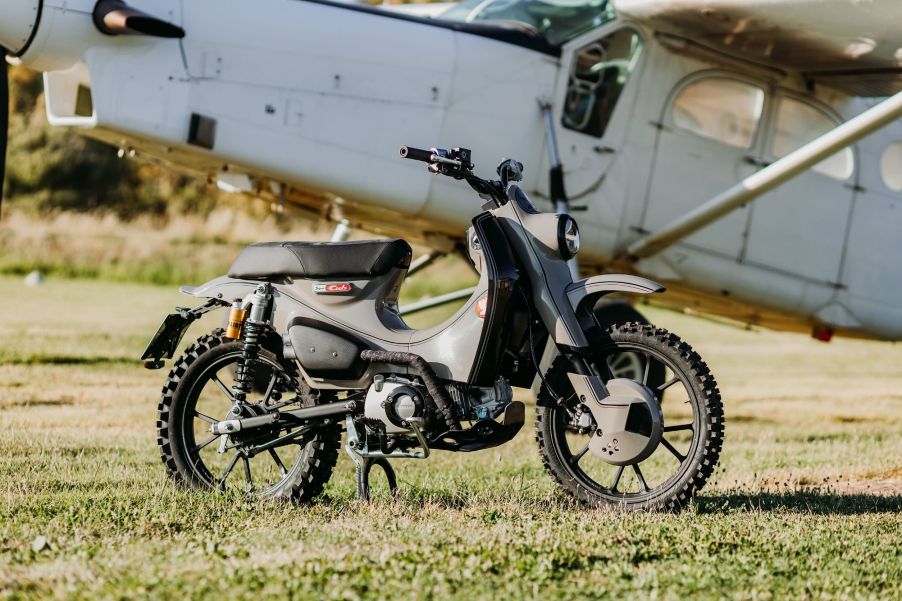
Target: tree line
51, 169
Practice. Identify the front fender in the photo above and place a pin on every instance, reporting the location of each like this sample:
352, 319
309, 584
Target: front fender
223, 288
582, 296
585, 293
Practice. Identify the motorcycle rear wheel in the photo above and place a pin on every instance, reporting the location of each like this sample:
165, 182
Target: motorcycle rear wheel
693, 428
197, 393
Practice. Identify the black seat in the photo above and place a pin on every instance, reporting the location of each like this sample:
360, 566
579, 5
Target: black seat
359, 259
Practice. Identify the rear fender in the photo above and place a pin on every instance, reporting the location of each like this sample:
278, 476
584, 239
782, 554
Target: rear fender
223, 288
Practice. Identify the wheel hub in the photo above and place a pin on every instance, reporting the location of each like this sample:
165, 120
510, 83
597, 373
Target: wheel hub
630, 423
256, 435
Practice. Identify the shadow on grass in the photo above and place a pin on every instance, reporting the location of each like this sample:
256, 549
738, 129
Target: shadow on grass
813, 502
68, 360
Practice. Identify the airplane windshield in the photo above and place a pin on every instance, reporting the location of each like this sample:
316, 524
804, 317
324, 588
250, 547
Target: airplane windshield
556, 20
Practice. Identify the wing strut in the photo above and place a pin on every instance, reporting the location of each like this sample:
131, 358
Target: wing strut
556, 177
769, 178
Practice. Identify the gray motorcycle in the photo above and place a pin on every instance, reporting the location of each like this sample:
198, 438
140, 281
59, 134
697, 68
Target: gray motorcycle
316, 343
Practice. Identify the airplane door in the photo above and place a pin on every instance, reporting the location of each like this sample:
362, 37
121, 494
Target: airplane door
708, 130
598, 67
801, 226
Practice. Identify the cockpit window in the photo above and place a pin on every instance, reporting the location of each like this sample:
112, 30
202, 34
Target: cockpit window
558, 21
598, 76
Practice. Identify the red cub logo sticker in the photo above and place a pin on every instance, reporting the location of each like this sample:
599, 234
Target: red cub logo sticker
481, 305
332, 288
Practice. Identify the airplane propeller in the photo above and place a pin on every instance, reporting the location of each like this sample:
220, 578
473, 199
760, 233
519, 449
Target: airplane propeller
4, 119
115, 17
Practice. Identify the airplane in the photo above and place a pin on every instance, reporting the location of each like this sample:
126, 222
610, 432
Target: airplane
747, 154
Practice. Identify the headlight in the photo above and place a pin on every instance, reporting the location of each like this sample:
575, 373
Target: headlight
567, 237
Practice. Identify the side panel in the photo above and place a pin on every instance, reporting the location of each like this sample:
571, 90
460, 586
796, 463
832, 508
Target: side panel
325, 351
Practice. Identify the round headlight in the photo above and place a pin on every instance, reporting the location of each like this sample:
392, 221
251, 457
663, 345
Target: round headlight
567, 237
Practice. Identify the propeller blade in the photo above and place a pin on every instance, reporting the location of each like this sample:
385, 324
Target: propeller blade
114, 17
4, 120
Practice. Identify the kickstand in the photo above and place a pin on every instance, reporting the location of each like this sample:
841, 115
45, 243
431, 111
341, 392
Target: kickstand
364, 465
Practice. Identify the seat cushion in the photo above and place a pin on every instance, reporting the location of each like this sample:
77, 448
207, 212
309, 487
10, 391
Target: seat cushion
358, 259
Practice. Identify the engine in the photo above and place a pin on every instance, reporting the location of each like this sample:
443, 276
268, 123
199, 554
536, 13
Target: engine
394, 402
474, 403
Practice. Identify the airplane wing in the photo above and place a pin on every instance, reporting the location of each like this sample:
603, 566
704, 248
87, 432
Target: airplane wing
853, 45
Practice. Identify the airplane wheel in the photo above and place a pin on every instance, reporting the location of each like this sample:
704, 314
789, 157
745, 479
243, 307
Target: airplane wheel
628, 365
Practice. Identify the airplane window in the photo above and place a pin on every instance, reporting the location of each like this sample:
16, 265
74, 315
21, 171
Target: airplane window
597, 77
799, 123
556, 20
891, 167
722, 109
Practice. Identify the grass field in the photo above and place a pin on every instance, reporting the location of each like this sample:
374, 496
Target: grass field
807, 502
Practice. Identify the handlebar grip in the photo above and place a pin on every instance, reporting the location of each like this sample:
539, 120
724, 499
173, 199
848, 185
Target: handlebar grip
416, 154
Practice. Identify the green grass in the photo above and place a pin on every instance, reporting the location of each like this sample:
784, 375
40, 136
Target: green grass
807, 502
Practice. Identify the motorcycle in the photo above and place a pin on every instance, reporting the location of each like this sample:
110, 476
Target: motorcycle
316, 343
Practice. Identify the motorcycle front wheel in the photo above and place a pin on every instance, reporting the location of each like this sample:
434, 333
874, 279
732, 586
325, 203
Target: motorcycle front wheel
688, 450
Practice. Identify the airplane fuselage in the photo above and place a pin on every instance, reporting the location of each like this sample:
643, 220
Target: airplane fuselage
309, 100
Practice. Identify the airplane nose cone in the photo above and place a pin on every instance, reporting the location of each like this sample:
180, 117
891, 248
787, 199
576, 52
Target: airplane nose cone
18, 24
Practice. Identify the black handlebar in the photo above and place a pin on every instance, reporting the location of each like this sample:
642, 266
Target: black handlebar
457, 163
416, 154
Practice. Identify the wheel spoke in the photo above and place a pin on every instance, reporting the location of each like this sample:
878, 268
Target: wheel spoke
228, 470
669, 383
647, 367
204, 443
678, 428
673, 450
278, 460
640, 477
223, 388
579, 455
247, 472
617, 479
206, 418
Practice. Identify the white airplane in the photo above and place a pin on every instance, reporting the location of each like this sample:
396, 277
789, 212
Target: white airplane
745, 152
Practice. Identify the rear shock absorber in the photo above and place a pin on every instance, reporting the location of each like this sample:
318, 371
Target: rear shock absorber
251, 335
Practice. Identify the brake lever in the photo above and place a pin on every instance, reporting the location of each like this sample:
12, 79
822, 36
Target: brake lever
453, 163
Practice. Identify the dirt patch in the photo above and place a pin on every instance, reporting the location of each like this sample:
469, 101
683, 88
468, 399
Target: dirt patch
852, 419
890, 487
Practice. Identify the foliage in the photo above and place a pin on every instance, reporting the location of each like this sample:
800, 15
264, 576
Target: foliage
52, 169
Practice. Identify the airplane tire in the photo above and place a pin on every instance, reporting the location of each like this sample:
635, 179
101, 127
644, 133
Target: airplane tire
627, 365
